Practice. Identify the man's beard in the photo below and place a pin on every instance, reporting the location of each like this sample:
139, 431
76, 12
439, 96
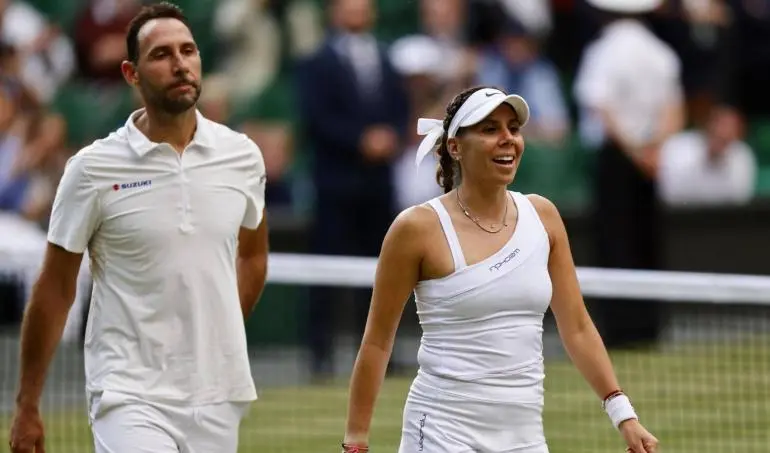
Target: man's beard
163, 102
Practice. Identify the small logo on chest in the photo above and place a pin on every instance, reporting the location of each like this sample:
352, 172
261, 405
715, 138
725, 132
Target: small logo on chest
132, 185
505, 261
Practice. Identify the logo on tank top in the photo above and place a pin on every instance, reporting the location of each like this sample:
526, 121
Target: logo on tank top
505, 261
421, 441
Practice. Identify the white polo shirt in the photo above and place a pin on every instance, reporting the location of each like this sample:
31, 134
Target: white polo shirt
630, 73
161, 231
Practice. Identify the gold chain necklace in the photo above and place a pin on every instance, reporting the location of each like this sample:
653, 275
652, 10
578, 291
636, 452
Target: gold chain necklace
476, 219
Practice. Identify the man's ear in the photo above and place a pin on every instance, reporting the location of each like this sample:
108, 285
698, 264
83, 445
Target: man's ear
128, 69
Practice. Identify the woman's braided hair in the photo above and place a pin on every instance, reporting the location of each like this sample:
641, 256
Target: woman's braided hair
445, 173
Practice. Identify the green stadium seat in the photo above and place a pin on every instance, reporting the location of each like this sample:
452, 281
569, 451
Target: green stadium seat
277, 317
560, 174
763, 183
61, 12
274, 103
92, 112
758, 137
396, 18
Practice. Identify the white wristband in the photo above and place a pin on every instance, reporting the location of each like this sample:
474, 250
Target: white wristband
619, 409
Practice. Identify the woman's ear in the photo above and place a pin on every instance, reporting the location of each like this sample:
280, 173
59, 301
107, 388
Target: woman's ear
453, 146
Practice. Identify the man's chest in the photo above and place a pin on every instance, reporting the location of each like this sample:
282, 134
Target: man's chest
158, 203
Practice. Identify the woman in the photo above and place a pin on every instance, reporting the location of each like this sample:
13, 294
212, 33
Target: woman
485, 264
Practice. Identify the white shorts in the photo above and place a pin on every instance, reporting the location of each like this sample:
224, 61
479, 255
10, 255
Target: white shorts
124, 424
439, 422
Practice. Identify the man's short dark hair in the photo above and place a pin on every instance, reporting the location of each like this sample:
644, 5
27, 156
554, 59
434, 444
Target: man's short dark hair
162, 10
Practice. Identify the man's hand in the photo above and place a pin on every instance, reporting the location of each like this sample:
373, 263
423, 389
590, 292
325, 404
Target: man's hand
638, 439
379, 143
26, 434
647, 159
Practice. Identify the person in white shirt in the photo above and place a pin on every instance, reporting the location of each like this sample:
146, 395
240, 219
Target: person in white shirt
710, 167
171, 210
484, 264
629, 91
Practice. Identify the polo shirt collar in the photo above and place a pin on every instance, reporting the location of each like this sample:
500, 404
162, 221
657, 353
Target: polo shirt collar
142, 145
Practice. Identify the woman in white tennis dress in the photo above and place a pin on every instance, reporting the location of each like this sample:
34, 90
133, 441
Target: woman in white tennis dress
484, 264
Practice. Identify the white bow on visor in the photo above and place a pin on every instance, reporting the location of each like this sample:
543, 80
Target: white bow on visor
433, 130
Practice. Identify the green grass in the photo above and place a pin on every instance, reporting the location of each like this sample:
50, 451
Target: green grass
697, 400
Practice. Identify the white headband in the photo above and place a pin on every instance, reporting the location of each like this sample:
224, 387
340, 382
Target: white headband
477, 107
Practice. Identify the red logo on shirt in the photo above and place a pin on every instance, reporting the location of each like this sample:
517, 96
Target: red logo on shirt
132, 185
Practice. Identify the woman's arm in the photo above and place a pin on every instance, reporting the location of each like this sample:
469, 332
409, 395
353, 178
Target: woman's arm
398, 271
580, 337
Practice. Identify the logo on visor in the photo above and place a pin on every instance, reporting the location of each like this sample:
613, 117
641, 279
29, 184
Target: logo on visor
489, 95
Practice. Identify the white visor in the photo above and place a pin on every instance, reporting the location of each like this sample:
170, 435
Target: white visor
477, 107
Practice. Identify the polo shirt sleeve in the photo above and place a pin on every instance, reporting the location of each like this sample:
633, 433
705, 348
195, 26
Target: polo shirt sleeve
255, 188
75, 208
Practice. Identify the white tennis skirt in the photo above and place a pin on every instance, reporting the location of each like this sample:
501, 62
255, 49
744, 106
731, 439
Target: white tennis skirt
443, 421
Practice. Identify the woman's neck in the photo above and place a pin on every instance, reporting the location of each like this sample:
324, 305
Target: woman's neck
483, 202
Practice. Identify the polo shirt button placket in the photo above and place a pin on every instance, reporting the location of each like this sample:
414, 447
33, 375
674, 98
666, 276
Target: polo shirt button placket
185, 226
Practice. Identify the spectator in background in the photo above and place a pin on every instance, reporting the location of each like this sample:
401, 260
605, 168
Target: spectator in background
696, 30
418, 59
535, 16
708, 167
443, 22
747, 67
354, 110
513, 62
250, 47
46, 55
629, 92
100, 39
30, 139
14, 178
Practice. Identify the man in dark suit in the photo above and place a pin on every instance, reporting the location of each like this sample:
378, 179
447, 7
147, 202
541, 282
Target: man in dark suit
354, 111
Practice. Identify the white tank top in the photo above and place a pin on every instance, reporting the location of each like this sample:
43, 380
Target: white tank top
483, 324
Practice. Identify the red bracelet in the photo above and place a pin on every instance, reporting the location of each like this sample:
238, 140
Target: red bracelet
612, 394
347, 448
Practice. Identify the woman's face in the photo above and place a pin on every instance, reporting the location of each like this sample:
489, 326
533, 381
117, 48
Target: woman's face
490, 151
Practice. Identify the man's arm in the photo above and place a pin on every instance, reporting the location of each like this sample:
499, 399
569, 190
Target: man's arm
252, 264
44, 319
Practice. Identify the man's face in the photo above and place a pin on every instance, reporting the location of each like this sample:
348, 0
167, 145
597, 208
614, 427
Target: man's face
168, 67
356, 16
441, 18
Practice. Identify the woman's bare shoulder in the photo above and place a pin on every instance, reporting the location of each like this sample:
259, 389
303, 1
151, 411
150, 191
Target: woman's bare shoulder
545, 207
549, 215
415, 222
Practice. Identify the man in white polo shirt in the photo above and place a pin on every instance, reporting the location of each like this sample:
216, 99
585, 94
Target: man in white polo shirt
171, 210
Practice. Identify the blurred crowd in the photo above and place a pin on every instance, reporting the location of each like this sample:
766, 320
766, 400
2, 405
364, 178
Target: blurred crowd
331, 91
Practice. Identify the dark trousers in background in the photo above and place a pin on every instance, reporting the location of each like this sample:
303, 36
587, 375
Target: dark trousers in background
11, 302
628, 236
351, 225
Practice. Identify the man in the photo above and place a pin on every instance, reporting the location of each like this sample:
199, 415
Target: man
629, 91
171, 210
355, 113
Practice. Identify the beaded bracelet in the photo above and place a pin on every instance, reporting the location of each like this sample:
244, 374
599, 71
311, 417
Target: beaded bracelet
348, 448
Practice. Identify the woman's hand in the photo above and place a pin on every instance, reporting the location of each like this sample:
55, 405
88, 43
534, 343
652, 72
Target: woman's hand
638, 439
